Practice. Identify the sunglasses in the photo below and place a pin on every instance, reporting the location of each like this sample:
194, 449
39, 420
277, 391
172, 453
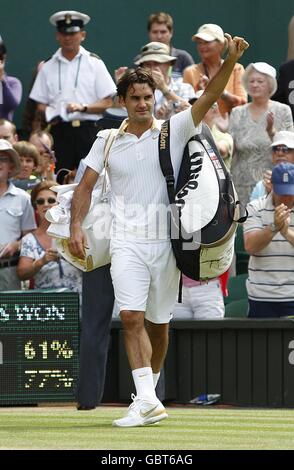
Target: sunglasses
41, 201
281, 148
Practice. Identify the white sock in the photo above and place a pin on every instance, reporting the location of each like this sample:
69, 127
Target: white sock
143, 379
155, 378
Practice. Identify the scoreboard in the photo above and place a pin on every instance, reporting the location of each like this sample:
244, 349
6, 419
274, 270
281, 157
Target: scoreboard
39, 346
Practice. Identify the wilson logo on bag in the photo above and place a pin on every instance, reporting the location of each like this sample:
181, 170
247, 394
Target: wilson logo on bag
204, 207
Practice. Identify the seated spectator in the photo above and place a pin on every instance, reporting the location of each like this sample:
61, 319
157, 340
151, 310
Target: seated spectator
39, 260
269, 240
200, 300
29, 162
253, 127
282, 152
17, 217
43, 141
160, 29
171, 95
211, 43
8, 131
10, 88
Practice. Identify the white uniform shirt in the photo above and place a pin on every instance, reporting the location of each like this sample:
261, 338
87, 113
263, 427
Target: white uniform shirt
271, 269
85, 79
16, 214
139, 194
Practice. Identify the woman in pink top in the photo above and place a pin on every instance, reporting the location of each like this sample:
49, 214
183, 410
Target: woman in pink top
211, 43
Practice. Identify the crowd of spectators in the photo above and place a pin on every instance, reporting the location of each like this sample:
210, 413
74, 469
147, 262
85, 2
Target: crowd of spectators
73, 96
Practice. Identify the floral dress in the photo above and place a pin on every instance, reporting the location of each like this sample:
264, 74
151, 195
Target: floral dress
54, 274
252, 151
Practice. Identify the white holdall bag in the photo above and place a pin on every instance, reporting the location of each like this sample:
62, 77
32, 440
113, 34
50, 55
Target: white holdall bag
96, 225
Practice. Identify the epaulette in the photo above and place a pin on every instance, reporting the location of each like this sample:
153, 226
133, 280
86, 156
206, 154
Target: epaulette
92, 54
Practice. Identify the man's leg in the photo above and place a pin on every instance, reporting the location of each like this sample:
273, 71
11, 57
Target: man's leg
158, 334
146, 408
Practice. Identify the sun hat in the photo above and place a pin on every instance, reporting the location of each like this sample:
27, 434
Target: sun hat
155, 51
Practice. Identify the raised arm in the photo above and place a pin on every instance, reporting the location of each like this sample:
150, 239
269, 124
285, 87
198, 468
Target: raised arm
80, 206
216, 86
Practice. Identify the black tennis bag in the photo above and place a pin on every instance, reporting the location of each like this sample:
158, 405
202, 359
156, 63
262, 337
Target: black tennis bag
204, 206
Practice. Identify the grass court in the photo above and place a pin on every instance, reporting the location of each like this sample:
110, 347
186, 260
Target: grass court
199, 428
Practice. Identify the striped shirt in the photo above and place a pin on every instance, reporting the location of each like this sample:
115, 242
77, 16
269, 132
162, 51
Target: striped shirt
139, 195
270, 270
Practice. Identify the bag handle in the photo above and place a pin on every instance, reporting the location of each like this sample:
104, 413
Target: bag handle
109, 141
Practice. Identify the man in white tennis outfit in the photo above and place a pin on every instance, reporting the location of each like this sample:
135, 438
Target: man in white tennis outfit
143, 267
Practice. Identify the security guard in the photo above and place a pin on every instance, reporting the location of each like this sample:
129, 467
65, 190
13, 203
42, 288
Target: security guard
73, 88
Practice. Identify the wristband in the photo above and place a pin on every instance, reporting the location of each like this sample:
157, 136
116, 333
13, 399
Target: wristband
85, 108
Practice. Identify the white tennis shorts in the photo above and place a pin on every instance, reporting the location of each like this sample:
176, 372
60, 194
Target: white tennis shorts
145, 277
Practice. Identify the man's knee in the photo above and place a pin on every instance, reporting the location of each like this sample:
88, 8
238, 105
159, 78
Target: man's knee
132, 320
157, 331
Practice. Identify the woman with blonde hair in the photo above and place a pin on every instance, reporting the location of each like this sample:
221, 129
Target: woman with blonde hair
211, 44
253, 127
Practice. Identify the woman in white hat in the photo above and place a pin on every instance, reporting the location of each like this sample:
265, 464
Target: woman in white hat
253, 127
211, 43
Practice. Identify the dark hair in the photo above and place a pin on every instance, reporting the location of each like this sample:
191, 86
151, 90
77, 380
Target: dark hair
161, 18
132, 76
3, 50
47, 184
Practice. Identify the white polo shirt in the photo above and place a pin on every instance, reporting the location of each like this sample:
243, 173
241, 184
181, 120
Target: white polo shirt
85, 79
271, 270
139, 194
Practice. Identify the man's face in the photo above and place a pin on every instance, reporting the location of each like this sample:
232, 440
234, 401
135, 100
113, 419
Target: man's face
70, 42
5, 167
7, 133
287, 200
159, 32
27, 166
139, 102
282, 154
157, 66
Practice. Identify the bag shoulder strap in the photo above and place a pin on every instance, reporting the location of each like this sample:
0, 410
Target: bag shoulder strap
109, 141
165, 160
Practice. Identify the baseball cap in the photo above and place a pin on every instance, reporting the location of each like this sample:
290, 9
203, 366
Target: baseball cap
283, 179
284, 138
209, 32
69, 21
7, 149
155, 51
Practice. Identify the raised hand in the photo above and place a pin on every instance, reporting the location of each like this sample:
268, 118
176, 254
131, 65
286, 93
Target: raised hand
236, 46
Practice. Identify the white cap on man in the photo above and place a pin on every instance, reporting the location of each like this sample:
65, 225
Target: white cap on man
284, 138
69, 21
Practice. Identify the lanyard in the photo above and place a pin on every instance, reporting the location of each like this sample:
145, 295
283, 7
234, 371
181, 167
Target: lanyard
77, 74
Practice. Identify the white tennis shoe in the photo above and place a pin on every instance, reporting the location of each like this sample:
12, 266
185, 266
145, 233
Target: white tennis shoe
141, 413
